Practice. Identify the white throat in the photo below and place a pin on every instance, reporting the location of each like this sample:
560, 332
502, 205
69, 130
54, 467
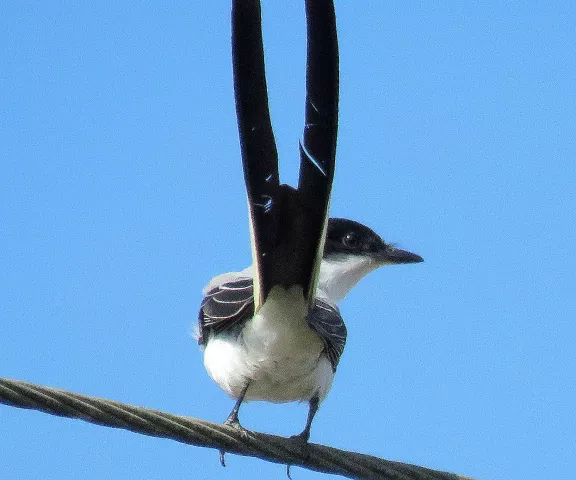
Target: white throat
340, 273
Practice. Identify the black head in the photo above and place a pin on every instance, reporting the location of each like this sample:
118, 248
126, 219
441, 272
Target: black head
347, 237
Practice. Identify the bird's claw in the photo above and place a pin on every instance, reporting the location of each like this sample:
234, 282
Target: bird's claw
235, 424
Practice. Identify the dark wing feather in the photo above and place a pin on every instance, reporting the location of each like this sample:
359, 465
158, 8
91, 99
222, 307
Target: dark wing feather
225, 306
326, 321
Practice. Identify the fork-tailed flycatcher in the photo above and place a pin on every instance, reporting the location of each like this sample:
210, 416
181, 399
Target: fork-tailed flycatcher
273, 332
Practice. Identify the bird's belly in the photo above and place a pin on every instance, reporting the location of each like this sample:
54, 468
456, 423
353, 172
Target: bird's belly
276, 353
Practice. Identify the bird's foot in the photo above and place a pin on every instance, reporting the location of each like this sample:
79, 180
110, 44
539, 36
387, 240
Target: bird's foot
232, 421
302, 440
235, 424
301, 437
222, 459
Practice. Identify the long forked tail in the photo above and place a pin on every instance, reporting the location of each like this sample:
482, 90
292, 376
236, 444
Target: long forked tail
287, 225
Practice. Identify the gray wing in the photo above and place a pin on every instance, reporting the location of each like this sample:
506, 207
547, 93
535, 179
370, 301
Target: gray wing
224, 307
326, 321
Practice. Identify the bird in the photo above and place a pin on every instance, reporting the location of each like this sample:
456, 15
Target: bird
284, 353
273, 331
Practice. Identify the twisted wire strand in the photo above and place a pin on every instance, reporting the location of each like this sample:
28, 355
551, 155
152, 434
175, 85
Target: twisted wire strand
198, 432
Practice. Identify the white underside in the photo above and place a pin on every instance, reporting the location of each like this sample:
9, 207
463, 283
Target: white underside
276, 353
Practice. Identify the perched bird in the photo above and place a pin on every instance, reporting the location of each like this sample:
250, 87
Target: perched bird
273, 331
285, 353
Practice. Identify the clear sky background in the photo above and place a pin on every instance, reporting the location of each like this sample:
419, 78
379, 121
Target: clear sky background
121, 194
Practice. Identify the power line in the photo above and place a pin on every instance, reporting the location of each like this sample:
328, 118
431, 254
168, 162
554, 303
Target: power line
198, 432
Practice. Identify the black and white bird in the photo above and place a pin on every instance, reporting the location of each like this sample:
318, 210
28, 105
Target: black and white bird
273, 332
285, 353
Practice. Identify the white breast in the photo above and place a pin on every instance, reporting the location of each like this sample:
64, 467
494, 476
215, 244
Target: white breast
277, 353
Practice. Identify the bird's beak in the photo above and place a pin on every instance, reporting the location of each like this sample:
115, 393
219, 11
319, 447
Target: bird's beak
395, 256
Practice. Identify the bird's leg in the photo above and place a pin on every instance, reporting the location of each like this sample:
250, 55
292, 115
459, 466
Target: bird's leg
232, 420
305, 435
313, 408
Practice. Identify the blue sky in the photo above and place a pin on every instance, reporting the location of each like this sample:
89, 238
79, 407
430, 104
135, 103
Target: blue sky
121, 194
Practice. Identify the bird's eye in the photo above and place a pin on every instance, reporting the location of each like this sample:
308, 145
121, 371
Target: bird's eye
350, 240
